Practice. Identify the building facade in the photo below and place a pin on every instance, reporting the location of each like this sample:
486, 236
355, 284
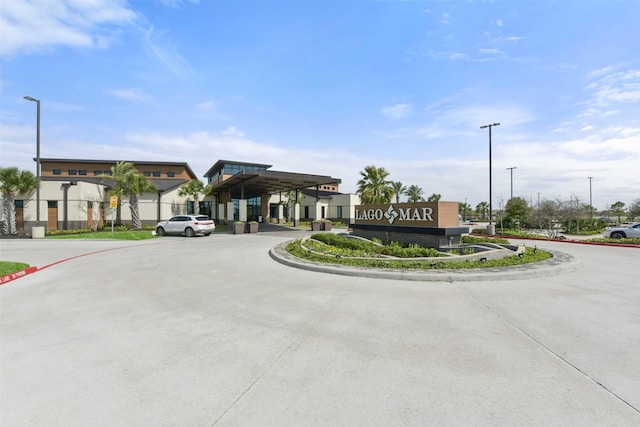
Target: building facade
74, 193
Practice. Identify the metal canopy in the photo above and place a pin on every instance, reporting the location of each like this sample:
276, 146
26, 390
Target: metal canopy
255, 183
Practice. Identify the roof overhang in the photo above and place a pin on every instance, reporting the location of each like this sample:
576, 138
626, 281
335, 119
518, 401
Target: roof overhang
255, 183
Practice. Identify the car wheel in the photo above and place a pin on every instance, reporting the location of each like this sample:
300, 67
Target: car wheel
189, 232
618, 235
160, 231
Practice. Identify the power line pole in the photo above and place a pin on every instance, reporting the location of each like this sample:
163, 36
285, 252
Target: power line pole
590, 199
490, 191
511, 169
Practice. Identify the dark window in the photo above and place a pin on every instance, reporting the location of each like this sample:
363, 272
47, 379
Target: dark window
108, 173
96, 173
171, 174
339, 211
57, 172
82, 172
52, 203
72, 172
156, 174
19, 204
146, 173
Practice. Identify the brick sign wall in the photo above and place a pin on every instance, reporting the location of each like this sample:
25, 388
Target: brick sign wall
424, 214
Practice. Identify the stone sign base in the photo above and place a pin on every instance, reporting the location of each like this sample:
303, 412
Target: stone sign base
423, 236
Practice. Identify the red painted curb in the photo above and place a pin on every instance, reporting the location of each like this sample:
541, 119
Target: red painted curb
18, 274
545, 239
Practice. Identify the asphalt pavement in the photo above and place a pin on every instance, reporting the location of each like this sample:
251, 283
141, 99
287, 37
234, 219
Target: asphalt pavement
213, 331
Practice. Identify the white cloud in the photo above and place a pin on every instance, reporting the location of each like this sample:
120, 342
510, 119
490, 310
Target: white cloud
206, 105
130, 95
613, 86
398, 111
167, 52
34, 25
491, 51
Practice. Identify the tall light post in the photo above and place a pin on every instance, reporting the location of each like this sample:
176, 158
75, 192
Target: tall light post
490, 228
590, 199
511, 169
37, 101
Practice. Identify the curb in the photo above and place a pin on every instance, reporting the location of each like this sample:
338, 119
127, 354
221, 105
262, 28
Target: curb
546, 239
558, 264
16, 275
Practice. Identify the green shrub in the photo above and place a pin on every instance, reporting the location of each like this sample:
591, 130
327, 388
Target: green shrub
411, 251
479, 239
343, 241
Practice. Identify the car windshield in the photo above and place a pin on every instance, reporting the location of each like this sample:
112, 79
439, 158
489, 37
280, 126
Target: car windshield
202, 218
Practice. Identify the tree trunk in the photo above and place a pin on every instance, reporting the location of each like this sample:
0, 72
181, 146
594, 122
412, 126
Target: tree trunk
135, 212
196, 206
9, 226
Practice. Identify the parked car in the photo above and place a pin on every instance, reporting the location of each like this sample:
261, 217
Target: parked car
189, 225
624, 231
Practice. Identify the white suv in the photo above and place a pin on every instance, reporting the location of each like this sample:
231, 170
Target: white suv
189, 225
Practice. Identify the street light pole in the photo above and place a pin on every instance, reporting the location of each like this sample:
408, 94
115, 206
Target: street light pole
490, 191
511, 169
37, 101
590, 199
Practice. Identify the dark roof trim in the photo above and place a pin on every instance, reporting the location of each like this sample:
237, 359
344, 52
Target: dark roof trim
218, 165
142, 162
272, 182
162, 185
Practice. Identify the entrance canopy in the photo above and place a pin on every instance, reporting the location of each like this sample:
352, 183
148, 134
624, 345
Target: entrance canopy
248, 183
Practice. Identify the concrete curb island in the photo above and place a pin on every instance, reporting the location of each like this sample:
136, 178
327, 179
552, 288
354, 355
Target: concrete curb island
558, 264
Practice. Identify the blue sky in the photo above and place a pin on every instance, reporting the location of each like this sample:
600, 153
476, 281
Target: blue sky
329, 87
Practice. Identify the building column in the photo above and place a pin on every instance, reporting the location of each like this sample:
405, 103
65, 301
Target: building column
296, 215
318, 214
280, 213
242, 210
221, 211
229, 212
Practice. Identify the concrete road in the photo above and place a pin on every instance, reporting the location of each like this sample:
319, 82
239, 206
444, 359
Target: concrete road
211, 331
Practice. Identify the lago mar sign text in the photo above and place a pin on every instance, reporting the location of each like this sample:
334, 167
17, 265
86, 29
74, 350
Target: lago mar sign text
425, 214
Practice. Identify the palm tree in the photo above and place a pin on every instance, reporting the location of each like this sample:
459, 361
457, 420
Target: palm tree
119, 174
415, 194
463, 208
138, 184
128, 181
193, 188
12, 183
482, 208
374, 186
398, 190
434, 197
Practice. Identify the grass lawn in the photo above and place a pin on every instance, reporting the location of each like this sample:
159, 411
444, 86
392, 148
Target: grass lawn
7, 267
118, 235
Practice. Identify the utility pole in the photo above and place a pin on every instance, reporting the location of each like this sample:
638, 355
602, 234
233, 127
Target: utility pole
590, 199
511, 169
490, 228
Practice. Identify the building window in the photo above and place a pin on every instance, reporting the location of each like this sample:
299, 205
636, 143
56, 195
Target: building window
19, 204
57, 172
52, 203
82, 172
157, 174
146, 173
108, 173
339, 211
73, 172
171, 174
96, 173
